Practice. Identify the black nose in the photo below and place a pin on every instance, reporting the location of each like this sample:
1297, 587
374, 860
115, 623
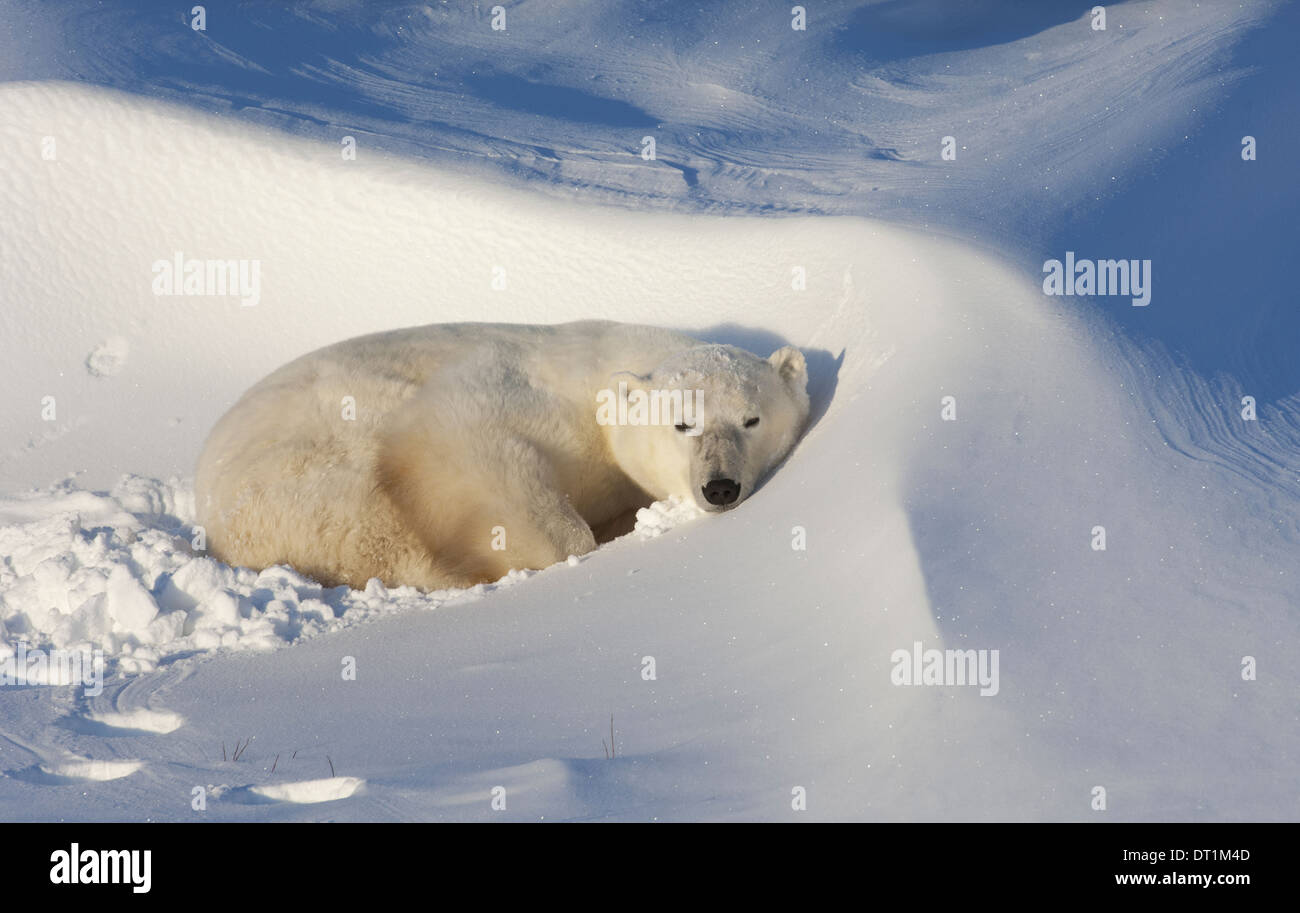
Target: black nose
721, 491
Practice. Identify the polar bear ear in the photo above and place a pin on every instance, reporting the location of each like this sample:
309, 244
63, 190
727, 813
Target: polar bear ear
790, 364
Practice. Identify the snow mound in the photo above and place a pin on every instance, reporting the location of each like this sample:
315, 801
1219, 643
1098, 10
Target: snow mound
308, 792
142, 720
108, 358
118, 572
86, 769
123, 573
986, 469
663, 516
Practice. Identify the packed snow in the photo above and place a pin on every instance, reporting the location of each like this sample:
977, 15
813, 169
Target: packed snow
970, 433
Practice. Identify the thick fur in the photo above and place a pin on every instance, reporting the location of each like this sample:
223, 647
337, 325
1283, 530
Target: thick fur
461, 429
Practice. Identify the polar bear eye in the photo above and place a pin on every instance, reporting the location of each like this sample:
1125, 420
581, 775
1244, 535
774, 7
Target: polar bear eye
751, 423
683, 428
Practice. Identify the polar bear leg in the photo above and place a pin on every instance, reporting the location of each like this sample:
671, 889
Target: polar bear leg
483, 509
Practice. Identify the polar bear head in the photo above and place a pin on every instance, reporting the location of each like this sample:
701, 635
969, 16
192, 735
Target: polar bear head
716, 418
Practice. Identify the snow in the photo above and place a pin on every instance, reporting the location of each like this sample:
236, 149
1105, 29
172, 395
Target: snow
117, 572
306, 792
80, 769
160, 721
663, 516
737, 665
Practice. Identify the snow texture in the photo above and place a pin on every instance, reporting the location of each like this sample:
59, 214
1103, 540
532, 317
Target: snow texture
747, 657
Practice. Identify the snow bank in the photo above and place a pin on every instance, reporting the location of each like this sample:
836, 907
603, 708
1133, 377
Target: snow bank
970, 437
117, 572
122, 573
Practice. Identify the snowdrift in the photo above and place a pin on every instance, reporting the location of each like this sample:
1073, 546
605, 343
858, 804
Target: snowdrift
970, 435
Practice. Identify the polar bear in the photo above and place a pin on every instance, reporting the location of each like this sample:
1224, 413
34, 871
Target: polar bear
447, 455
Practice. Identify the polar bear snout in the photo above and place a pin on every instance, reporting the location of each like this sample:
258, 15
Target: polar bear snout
721, 492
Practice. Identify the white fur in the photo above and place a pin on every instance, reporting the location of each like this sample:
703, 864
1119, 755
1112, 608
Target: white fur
461, 428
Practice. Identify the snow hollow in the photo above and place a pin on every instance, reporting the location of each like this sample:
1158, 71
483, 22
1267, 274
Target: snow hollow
993, 475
